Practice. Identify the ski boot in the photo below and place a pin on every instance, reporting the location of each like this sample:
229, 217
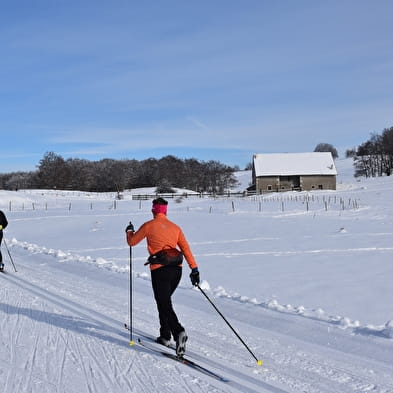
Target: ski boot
181, 344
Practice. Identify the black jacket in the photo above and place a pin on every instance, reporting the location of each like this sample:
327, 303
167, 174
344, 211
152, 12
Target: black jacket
3, 220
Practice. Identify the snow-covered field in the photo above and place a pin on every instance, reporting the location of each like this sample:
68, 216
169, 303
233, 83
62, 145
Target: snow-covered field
304, 278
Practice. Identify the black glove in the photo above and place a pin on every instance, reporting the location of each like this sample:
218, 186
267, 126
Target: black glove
130, 227
194, 275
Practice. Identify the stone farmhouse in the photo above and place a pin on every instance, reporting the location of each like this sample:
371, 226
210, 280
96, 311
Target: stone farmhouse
293, 171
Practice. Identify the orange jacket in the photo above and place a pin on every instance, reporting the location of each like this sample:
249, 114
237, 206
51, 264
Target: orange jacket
161, 233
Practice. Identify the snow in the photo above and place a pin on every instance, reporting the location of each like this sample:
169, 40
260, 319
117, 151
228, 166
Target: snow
304, 278
292, 164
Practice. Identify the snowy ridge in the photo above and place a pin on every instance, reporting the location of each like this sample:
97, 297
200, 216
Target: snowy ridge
63, 256
385, 330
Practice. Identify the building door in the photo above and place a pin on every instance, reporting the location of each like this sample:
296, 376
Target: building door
296, 182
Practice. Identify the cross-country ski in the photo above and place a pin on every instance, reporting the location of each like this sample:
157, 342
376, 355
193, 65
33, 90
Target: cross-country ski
183, 360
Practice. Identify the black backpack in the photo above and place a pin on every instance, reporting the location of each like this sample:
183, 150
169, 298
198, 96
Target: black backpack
3, 220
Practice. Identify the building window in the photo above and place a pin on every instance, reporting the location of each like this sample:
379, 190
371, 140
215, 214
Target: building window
269, 188
320, 187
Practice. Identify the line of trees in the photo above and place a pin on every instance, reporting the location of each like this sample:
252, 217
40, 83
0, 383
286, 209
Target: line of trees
106, 175
375, 156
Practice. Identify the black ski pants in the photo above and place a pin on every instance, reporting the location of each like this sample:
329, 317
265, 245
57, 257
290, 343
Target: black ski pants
165, 281
1, 238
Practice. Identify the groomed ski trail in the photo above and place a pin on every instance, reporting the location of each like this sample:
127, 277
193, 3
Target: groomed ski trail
61, 331
83, 337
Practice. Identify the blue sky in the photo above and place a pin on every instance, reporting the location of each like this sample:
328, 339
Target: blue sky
212, 80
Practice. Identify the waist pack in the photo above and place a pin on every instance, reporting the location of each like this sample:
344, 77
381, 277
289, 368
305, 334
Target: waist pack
166, 257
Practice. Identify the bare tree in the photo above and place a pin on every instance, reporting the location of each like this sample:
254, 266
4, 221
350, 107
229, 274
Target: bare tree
326, 147
375, 156
53, 172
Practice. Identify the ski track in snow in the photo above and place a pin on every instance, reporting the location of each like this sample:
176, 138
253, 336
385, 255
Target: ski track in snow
82, 356
385, 330
81, 346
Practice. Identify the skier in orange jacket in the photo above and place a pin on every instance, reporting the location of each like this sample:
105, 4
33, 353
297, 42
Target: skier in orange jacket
162, 234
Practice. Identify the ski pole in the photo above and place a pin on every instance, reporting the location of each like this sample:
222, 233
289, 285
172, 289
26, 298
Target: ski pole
259, 362
9, 254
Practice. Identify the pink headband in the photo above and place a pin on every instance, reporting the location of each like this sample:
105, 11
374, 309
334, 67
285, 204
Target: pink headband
157, 208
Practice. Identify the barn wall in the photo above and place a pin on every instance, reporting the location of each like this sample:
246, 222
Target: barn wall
326, 182
307, 183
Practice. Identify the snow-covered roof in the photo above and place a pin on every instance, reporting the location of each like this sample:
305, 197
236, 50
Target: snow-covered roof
291, 164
